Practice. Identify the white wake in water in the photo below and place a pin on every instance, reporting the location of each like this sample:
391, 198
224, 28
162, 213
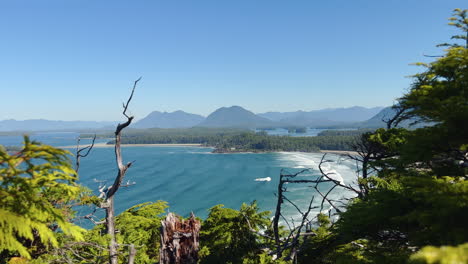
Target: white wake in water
263, 179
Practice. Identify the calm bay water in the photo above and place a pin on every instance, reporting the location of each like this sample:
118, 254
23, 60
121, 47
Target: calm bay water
194, 179
310, 132
50, 138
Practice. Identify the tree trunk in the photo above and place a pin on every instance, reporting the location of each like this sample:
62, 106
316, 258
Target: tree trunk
131, 254
179, 240
110, 224
278, 212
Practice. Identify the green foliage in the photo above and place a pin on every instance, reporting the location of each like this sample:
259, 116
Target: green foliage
355, 132
440, 95
390, 139
459, 20
229, 236
421, 209
195, 135
263, 258
328, 246
442, 255
10, 148
312, 247
387, 143
138, 225
36, 184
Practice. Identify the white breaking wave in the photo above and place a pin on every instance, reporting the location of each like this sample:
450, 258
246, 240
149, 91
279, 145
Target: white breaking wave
334, 175
337, 168
263, 179
331, 173
296, 160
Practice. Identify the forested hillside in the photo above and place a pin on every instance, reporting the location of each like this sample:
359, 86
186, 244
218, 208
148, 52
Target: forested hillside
238, 140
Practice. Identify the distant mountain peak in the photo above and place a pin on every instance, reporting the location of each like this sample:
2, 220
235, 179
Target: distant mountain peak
176, 119
235, 116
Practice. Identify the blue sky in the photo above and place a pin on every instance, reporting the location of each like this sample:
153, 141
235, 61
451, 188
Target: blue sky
76, 60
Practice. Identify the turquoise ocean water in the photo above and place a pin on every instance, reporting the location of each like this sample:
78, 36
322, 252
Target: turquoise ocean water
192, 179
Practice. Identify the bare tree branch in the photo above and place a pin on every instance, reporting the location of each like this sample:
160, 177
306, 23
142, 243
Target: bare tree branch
79, 150
292, 241
348, 187
397, 117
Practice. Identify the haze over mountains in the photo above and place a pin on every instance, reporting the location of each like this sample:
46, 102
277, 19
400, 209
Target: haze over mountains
324, 117
234, 116
51, 125
238, 117
177, 119
386, 114
350, 114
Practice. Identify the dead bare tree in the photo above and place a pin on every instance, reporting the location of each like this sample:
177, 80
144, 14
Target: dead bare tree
131, 254
72, 251
292, 240
368, 152
107, 195
179, 240
108, 203
365, 152
400, 114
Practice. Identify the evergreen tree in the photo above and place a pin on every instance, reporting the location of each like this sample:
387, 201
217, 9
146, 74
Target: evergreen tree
418, 195
36, 184
230, 236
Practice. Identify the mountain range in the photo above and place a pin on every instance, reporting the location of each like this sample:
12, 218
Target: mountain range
387, 113
234, 116
350, 114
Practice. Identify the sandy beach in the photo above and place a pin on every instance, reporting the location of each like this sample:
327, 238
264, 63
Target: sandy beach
339, 152
104, 145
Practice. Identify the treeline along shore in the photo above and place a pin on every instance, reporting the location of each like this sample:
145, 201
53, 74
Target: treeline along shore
225, 140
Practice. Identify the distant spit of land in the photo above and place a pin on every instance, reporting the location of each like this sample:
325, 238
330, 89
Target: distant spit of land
229, 140
339, 152
105, 145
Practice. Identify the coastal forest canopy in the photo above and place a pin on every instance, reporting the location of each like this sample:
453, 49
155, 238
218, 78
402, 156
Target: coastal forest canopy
411, 208
238, 140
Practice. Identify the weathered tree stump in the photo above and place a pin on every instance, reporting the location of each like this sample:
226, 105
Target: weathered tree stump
179, 240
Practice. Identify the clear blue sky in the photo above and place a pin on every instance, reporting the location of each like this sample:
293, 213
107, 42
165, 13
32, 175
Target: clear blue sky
76, 60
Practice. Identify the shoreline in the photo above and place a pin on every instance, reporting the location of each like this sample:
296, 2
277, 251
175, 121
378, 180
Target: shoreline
105, 145
339, 152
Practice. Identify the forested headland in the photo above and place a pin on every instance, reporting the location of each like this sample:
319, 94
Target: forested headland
238, 140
